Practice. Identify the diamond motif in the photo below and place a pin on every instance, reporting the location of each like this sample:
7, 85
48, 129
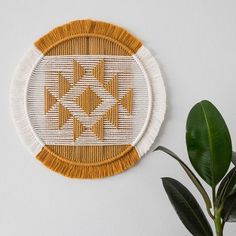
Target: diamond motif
88, 100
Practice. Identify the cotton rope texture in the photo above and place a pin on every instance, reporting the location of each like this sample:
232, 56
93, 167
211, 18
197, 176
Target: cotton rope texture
88, 99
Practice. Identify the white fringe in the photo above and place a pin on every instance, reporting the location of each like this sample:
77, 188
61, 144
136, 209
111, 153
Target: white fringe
18, 104
158, 103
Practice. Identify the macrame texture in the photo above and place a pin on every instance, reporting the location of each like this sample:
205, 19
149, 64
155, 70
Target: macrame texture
88, 99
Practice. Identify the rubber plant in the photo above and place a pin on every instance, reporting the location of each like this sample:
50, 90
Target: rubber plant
210, 152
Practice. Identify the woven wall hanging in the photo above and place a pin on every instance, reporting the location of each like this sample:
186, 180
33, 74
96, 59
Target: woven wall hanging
88, 99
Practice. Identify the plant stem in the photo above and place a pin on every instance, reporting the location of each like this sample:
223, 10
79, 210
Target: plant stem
218, 223
217, 215
214, 196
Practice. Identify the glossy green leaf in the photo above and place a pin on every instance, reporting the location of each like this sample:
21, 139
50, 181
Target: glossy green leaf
227, 186
234, 158
191, 175
208, 142
187, 208
229, 209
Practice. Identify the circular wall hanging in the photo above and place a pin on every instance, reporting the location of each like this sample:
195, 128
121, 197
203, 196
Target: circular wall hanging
88, 99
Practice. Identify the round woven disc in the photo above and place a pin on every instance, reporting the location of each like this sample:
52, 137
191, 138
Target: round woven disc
88, 99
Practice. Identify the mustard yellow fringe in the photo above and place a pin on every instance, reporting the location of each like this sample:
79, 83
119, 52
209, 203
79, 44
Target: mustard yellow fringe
70, 170
86, 28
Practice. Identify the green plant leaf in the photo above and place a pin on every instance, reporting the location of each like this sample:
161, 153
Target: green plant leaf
227, 186
208, 142
229, 209
187, 208
191, 175
234, 158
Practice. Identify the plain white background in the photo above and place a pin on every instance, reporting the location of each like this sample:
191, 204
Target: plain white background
195, 44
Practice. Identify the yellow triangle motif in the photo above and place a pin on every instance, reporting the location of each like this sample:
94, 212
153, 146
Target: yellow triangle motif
112, 115
49, 100
78, 72
126, 101
63, 85
78, 128
63, 115
97, 129
98, 71
112, 86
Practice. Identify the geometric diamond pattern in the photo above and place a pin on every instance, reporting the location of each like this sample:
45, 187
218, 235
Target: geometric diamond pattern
88, 100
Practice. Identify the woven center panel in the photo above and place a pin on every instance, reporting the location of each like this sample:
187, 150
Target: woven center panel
88, 100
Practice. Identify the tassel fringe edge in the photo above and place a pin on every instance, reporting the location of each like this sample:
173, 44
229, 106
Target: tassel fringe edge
88, 171
87, 27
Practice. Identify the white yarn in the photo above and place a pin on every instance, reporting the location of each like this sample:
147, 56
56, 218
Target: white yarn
19, 107
130, 75
158, 109
18, 104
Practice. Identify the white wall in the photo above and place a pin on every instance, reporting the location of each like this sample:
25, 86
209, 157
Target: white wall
195, 43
